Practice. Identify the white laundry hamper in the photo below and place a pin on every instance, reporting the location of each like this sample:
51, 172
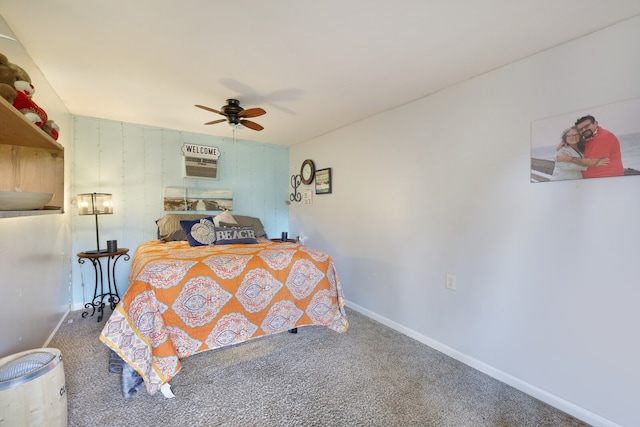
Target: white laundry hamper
32, 389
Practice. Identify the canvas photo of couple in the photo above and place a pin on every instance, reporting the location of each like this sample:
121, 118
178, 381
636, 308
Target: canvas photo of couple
597, 143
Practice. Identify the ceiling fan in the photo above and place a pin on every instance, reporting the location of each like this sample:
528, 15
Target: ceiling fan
236, 115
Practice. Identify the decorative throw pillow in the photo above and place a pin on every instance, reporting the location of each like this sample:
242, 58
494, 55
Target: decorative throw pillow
169, 228
200, 232
231, 235
228, 225
224, 217
250, 221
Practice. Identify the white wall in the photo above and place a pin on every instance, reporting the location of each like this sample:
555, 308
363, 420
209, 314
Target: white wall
547, 273
135, 163
35, 252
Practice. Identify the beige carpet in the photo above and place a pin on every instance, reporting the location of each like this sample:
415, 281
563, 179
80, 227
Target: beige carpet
369, 376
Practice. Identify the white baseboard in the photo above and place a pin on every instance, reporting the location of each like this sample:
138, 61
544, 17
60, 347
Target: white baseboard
550, 399
64, 316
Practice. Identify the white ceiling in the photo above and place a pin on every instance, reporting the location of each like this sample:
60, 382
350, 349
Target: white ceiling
314, 66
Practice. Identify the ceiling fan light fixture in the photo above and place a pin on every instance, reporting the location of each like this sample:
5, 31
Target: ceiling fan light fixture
236, 116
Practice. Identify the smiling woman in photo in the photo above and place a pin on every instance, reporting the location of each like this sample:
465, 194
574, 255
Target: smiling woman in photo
571, 144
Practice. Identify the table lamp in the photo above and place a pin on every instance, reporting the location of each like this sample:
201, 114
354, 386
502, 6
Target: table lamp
95, 204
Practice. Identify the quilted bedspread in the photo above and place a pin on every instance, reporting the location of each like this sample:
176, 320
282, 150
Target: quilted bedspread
184, 300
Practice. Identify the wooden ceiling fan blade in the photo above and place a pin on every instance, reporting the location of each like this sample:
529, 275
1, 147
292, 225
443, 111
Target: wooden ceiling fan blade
209, 109
216, 121
251, 125
252, 112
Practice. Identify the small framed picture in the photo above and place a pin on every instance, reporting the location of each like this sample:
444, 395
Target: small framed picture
323, 181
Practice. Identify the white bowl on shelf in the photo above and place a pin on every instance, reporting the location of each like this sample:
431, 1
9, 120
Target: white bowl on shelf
23, 200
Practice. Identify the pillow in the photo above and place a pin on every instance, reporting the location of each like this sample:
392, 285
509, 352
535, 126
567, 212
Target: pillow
169, 228
224, 217
250, 221
228, 236
200, 232
228, 225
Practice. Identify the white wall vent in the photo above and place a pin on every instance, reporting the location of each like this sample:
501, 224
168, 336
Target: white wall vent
200, 161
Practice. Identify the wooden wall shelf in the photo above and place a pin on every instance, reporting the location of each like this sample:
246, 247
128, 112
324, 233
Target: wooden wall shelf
30, 160
16, 129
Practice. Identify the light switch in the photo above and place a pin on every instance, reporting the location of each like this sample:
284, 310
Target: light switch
307, 198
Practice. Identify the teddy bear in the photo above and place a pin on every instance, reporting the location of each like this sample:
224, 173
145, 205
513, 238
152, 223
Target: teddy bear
24, 103
8, 79
52, 129
16, 88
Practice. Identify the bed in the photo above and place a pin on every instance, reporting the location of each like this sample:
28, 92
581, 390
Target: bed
185, 299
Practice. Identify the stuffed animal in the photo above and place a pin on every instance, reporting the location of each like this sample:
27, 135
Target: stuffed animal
24, 103
16, 88
8, 79
52, 129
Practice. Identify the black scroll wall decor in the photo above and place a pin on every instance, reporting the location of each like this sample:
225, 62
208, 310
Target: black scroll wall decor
296, 196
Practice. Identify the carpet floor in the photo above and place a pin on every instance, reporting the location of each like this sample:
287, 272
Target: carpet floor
369, 376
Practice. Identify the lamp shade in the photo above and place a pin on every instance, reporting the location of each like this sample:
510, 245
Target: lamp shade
94, 204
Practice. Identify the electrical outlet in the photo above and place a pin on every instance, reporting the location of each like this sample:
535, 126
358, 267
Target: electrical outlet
450, 282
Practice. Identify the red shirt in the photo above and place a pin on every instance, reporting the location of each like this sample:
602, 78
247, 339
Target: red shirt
604, 144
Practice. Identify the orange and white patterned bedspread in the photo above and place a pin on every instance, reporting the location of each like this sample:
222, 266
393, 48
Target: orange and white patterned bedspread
183, 300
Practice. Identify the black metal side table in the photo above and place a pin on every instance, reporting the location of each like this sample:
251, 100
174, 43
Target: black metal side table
108, 290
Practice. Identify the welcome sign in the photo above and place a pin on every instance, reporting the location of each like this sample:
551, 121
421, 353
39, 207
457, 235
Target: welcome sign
200, 161
193, 150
